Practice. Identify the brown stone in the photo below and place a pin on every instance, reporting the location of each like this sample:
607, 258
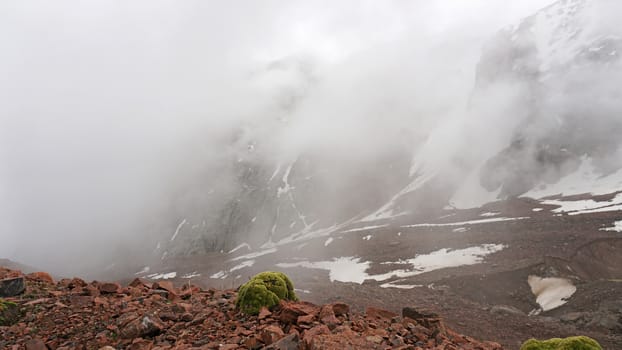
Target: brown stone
290, 311
271, 334
305, 319
290, 342
35, 344
373, 312
41, 276
263, 313
140, 344
327, 316
109, 288
341, 309
253, 343
165, 285
147, 325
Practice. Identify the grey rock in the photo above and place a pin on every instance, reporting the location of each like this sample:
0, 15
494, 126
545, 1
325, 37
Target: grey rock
10, 287
505, 309
289, 342
572, 317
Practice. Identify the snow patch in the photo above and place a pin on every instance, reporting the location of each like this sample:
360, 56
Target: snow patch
162, 276
144, 270
343, 269
219, 275
584, 180
472, 222
400, 286
550, 292
242, 265
243, 245
352, 269
191, 275
366, 228
617, 227
585, 206
177, 229
254, 255
328, 241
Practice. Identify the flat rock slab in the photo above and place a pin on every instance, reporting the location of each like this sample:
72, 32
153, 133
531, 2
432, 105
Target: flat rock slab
10, 287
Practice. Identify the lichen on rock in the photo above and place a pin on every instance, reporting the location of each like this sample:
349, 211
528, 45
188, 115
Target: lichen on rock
265, 289
570, 343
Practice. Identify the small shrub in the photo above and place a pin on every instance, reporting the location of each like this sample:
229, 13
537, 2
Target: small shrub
264, 290
570, 343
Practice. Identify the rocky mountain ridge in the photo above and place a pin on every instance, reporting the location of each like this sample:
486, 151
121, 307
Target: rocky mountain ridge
528, 92
74, 314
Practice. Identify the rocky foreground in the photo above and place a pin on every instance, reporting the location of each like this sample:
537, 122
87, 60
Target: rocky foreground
73, 314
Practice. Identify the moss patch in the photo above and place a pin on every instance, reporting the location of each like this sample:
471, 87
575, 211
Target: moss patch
265, 290
570, 343
9, 313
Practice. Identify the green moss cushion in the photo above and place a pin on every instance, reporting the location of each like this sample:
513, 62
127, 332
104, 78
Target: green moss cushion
570, 343
264, 290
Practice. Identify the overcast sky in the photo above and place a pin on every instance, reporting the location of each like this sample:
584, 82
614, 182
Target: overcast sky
101, 102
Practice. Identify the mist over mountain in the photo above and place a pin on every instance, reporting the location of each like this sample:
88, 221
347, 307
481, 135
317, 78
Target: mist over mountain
133, 131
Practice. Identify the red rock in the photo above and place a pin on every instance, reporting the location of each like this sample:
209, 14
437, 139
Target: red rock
109, 288
341, 309
327, 316
314, 332
228, 347
138, 282
76, 282
147, 325
263, 313
242, 331
165, 285
271, 334
373, 312
253, 343
290, 311
35, 344
100, 301
182, 308
140, 344
305, 319
290, 342
41, 276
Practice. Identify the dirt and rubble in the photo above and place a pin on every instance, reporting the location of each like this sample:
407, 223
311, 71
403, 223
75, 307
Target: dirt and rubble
74, 314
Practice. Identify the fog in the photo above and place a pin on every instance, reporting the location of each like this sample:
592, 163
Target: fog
112, 113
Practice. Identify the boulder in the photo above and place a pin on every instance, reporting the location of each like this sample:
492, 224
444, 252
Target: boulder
271, 334
289, 342
10, 287
109, 288
35, 344
148, 325
41, 276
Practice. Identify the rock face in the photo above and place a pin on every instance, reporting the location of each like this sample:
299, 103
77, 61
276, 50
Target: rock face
530, 82
546, 59
65, 315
